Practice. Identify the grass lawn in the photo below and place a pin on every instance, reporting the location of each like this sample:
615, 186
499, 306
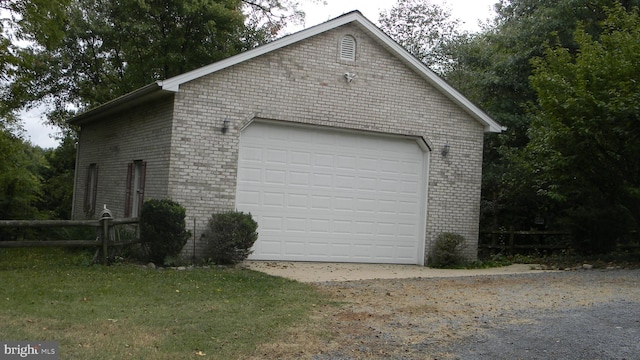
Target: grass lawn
125, 311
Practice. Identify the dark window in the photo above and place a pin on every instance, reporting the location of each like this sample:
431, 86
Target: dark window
136, 172
91, 189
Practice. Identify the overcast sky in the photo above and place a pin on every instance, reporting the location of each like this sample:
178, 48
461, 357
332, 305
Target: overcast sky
469, 11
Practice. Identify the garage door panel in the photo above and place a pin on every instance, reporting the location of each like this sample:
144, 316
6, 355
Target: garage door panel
321, 202
323, 161
390, 167
384, 251
298, 178
248, 198
318, 249
295, 248
269, 247
336, 196
342, 227
273, 134
407, 230
407, 167
386, 229
363, 251
320, 226
345, 162
252, 153
300, 159
322, 180
408, 187
407, 207
274, 199
341, 203
271, 223
367, 164
277, 177
365, 206
294, 224
297, 201
250, 175
345, 250
389, 185
367, 183
364, 227
276, 157
345, 182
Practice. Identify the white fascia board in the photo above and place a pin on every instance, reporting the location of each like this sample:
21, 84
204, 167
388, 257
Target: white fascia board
173, 84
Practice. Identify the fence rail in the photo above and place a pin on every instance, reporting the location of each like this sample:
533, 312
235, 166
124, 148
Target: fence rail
512, 240
63, 223
104, 240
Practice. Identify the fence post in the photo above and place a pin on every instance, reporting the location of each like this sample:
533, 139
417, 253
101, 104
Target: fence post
512, 243
105, 219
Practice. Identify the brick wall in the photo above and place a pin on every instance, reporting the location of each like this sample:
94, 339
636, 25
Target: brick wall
305, 83
142, 133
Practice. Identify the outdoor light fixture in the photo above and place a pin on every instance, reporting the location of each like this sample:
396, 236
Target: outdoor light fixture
225, 126
445, 149
349, 77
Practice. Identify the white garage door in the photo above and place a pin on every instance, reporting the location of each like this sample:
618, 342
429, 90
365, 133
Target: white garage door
328, 195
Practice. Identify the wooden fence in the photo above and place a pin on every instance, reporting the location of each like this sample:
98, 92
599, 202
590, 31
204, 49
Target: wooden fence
104, 240
514, 241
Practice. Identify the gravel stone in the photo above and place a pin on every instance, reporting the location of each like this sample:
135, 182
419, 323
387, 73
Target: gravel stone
570, 315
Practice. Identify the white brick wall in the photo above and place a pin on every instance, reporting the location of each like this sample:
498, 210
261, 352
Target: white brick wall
144, 133
302, 83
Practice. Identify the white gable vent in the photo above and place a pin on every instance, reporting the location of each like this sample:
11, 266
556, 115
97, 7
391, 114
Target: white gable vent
348, 48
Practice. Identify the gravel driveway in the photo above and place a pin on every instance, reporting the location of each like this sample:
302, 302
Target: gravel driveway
586, 314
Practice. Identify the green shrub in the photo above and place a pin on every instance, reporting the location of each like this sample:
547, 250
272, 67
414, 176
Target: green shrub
163, 229
447, 251
229, 237
597, 230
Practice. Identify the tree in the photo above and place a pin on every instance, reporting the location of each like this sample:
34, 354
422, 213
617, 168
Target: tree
6, 59
57, 179
111, 47
19, 181
266, 19
424, 29
87, 52
585, 137
70, 55
492, 69
38, 17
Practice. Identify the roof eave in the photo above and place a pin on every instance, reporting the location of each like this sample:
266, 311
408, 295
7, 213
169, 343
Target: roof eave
123, 102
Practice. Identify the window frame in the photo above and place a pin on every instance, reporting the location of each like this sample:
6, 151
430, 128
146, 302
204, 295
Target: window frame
136, 178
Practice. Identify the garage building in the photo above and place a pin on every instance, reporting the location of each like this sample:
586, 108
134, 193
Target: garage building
342, 145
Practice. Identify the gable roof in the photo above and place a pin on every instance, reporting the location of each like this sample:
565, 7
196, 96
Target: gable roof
173, 84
